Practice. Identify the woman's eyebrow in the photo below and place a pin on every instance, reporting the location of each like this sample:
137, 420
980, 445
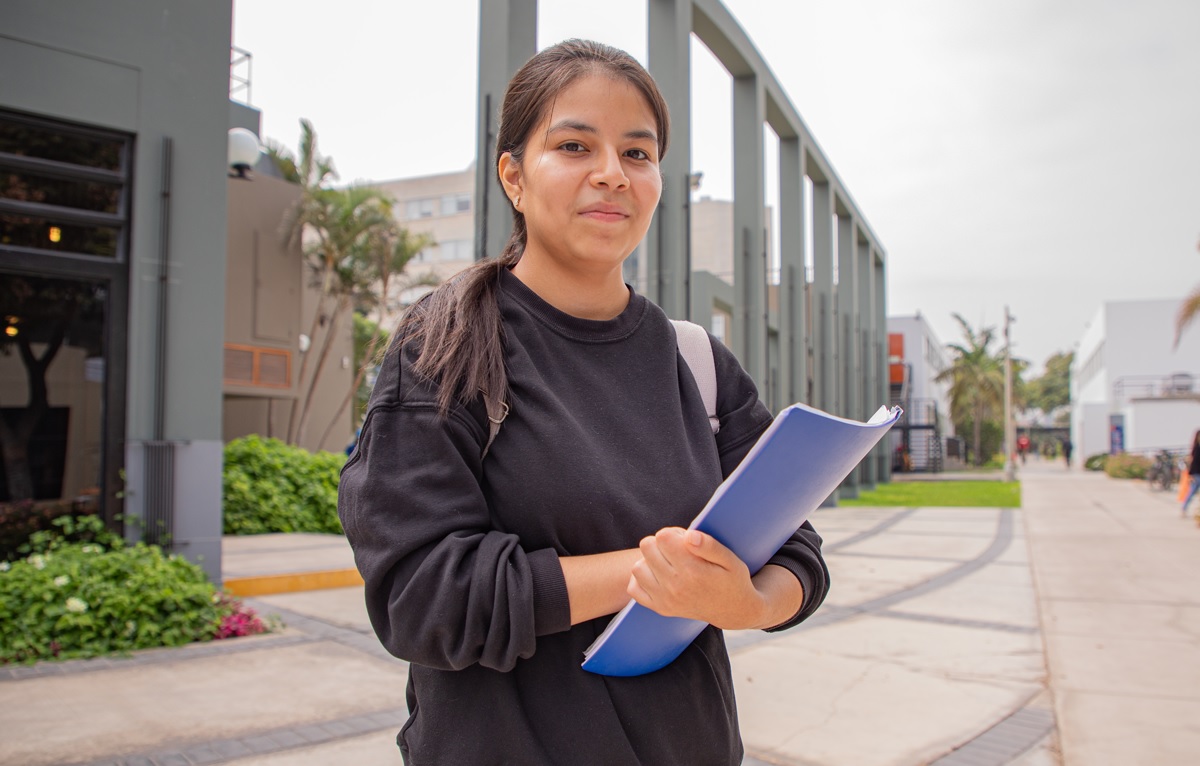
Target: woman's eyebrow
583, 127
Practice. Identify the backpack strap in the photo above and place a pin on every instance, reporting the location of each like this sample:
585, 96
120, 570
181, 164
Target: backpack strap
696, 350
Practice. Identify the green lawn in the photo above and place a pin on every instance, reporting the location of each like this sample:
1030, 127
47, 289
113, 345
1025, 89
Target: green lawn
912, 494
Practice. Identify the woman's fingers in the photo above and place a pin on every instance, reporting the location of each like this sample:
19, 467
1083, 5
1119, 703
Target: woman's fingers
685, 573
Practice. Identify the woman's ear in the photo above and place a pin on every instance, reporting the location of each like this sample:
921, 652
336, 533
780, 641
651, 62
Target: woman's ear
510, 175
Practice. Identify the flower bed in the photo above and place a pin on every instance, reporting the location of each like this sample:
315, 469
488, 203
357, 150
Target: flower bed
68, 600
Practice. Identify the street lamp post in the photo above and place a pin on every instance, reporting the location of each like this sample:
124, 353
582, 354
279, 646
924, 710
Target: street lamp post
1009, 467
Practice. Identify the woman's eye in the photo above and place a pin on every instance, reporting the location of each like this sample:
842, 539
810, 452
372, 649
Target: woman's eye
572, 146
638, 154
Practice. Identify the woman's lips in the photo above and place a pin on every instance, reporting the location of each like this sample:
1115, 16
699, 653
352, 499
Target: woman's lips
604, 213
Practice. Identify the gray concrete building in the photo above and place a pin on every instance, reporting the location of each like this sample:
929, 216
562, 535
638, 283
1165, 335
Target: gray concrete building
113, 126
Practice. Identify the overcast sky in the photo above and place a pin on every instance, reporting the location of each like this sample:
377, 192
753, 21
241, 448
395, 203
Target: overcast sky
1043, 155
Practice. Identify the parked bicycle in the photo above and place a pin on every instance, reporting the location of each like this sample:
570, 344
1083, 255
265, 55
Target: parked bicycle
1164, 471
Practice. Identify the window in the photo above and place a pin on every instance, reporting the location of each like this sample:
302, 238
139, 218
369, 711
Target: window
65, 192
418, 208
455, 250
257, 366
62, 190
454, 204
718, 326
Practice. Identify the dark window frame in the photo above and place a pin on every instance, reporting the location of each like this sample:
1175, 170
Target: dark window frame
113, 273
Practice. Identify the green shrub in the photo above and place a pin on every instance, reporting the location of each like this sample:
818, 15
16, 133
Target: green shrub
996, 461
70, 599
1096, 462
270, 486
1126, 466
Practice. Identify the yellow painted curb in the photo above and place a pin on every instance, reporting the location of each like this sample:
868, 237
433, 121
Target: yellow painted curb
293, 583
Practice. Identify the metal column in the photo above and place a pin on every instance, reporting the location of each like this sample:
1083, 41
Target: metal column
507, 39
824, 377
847, 341
749, 267
668, 265
792, 279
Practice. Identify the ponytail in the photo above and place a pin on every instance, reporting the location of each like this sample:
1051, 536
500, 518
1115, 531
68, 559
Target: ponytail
459, 334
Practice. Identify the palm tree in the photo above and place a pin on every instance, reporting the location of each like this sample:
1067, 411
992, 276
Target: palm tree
383, 256
976, 380
341, 225
1188, 311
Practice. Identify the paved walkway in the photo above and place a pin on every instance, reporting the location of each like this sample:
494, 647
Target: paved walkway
1063, 632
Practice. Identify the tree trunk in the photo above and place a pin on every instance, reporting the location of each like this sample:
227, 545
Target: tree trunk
16, 464
368, 356
341, 305
15, 440
292, 436
978, 434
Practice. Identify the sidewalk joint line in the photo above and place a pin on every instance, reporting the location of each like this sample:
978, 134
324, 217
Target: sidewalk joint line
832, 615
265, 742
882, 526
154, 656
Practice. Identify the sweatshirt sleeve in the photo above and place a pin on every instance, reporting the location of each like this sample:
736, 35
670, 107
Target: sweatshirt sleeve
444, 588
744, 418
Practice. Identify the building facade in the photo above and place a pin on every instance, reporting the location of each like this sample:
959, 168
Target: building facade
440, 206
915, 360
1132, 388
113, 130
274, 336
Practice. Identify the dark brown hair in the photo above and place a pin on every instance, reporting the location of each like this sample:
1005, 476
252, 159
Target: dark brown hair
457, 327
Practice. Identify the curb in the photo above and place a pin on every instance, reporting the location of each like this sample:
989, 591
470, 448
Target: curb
292, 583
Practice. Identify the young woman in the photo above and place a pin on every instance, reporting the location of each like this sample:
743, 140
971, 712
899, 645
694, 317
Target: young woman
1193, 471
492, 567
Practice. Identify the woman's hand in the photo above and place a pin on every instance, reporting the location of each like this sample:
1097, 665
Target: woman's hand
686, 573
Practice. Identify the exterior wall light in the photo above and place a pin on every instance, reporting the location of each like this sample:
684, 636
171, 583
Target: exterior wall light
243, 152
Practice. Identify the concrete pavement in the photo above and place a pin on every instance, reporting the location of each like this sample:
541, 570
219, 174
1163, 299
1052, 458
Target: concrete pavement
1062, 632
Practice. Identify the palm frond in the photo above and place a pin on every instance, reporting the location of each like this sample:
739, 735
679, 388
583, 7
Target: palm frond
1188, 310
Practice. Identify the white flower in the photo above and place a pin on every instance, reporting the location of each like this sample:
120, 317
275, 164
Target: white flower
37, 561
90, 549
76, 605
5, 566
61, 580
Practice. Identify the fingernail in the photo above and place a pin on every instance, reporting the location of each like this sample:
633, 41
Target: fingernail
694, 537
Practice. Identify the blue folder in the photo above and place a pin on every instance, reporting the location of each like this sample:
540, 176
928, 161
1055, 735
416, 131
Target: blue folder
796, 464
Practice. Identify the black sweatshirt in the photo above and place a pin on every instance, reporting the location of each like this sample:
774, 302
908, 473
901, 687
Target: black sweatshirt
607, 441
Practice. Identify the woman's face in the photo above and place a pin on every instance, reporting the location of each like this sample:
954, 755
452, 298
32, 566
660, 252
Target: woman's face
590, 179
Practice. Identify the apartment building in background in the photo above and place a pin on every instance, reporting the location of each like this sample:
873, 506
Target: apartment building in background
441, 206
1132, 388
923, 439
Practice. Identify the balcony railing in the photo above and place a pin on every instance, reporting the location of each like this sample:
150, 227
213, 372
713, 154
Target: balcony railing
1174, 386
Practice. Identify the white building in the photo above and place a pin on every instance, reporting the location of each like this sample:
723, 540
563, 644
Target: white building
1131, 388
915, 358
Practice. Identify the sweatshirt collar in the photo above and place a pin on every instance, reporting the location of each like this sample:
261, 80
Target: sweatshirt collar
575, 328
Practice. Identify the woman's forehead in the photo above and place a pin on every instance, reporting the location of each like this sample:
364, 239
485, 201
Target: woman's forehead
600, 101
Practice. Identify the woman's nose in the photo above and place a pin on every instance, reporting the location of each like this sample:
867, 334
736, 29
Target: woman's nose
609, 171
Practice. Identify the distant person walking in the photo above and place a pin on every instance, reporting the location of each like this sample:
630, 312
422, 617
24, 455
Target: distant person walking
1193, 470
1023, 447
1066, 448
